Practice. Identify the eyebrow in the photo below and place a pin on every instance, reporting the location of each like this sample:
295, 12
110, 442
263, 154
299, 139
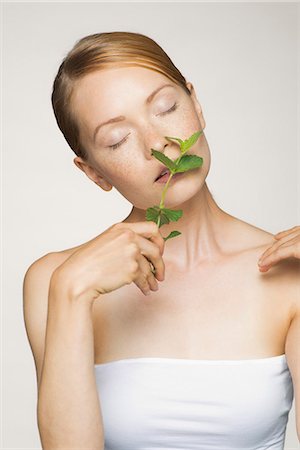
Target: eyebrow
120, 118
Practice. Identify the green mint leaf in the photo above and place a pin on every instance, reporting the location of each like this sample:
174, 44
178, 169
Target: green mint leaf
163, 219
177, 139
172, 234
164, 159
152, 213
172, 214
159, 214
189, 162
188, 143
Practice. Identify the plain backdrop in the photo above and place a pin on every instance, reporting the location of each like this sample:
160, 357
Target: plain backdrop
242, 60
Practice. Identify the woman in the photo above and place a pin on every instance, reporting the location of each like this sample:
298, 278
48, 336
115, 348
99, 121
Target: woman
210, 359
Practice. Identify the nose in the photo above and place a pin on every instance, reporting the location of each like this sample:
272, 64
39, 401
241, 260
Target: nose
169, 148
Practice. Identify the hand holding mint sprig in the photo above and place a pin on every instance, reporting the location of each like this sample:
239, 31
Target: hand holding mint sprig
158, 213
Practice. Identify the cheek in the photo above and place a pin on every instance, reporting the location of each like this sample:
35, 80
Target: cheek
185, 124
121, 175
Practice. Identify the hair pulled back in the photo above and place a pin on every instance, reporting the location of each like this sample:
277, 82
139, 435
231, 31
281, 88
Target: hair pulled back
99, 51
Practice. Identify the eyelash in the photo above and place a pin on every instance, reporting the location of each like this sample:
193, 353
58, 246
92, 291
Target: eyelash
173, 108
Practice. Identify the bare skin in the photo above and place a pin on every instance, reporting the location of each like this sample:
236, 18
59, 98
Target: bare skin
214, 302
225, 309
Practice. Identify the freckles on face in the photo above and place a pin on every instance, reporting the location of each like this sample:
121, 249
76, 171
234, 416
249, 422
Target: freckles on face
132, 171
130, 167
135, 190
135, 180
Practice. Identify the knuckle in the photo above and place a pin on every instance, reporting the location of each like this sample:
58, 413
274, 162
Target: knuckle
128, 233
132, 271
134, 267
133, 249
129, 279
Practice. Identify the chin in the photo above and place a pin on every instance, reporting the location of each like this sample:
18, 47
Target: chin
179, 196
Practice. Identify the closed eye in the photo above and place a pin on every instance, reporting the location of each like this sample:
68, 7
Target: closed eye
118, 143
173, 108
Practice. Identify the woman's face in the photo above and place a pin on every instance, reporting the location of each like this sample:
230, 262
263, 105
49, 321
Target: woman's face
120, 151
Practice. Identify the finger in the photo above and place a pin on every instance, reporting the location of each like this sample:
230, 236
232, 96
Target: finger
283, 233
282, 252
152, 282
152, 253
159, 241
146, 267
149, 230
142, 279
288, 237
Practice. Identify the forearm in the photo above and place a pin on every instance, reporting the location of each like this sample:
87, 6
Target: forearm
69, 412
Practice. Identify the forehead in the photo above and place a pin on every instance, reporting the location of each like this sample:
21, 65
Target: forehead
124, 74
109, 84
105, 92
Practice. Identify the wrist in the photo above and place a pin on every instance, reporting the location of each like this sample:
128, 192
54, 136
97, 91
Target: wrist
62, 286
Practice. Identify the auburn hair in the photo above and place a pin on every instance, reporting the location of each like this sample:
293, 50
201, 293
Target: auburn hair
96, 52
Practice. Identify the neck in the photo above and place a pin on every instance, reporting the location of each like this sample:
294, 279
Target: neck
205, 229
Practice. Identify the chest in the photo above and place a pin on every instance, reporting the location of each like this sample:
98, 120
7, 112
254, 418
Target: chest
225, 312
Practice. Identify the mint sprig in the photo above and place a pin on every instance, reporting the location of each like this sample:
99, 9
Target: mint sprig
158, 213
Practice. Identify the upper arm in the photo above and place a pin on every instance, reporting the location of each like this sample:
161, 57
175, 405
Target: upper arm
292, 344
35, 305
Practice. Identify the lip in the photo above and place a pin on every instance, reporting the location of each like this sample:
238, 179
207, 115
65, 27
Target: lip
165, 178
163, 168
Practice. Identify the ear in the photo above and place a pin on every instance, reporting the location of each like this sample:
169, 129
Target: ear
196, 103
92, 174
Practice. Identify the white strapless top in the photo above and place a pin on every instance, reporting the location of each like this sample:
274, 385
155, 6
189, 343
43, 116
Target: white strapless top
170, 404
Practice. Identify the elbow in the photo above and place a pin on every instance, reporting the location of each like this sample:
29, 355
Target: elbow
54, 436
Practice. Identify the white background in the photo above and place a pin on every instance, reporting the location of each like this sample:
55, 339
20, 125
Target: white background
242, 60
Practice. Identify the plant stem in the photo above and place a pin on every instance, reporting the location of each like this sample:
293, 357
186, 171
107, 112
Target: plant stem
163, 195
176, 161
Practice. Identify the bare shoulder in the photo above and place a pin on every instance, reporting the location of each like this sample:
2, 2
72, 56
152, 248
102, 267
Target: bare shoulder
248, 241
283, 278
39, 272
287, 269
50, 261
263, 239
255, 240
37, 277
35, 301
